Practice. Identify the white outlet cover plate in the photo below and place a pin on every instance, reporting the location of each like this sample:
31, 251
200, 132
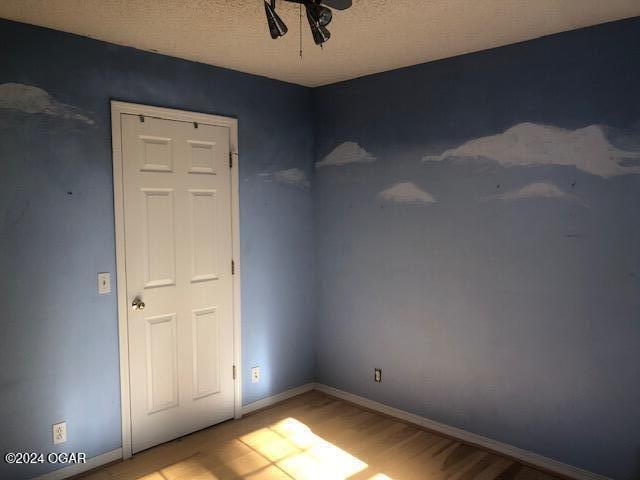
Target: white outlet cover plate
104, 283
59, 431
255, 374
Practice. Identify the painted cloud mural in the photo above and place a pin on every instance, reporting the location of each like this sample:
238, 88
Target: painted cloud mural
345, 153
34, 100
292, 176
527, 144
540, 190
406, 192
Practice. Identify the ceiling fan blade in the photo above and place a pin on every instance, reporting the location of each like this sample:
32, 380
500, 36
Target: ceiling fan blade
337, 4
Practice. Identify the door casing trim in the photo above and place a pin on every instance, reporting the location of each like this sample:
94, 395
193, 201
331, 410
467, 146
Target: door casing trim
117, 109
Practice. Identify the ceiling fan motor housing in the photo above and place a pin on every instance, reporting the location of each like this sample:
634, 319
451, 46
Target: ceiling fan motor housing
318, 16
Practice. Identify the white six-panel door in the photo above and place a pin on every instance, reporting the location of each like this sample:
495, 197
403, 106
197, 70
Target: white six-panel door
178, 244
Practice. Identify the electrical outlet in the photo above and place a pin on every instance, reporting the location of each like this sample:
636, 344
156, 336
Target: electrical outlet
377, 375
255, 374
60, 433
104, 283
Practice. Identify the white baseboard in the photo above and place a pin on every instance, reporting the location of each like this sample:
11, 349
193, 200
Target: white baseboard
519, 454
268, 401
78, 468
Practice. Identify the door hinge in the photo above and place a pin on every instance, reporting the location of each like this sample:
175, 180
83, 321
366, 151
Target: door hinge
233, 267
234, 372
230, 159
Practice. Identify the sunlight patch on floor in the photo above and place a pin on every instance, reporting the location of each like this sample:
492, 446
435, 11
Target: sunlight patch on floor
300, 453
285, 450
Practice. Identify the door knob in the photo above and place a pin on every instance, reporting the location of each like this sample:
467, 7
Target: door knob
137, 304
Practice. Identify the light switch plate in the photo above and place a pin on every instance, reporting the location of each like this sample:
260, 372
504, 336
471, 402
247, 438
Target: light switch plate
60, 433
255, 374
104, 283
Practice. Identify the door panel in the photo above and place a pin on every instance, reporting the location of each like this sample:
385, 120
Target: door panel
157, 154
206, 352
203, 157
162, 363
177, 212
202, 209
158, 237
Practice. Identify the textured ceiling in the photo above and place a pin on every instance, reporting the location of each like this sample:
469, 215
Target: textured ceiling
372, 36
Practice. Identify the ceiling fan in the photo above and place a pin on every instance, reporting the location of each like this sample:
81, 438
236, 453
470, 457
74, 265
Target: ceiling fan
319, 16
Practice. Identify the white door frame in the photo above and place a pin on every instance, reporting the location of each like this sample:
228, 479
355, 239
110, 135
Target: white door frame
117, 109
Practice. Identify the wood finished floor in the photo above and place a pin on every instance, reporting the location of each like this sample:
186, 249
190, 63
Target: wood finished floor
314, 436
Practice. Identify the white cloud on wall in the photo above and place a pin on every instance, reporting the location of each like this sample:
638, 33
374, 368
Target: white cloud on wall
538, 190
33, 100
406, 192
526, 144
345, 153
292, 176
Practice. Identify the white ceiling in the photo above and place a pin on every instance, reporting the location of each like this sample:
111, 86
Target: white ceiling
372, 36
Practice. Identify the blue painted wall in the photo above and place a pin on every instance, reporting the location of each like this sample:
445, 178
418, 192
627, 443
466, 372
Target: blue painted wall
496, 285
59, 346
